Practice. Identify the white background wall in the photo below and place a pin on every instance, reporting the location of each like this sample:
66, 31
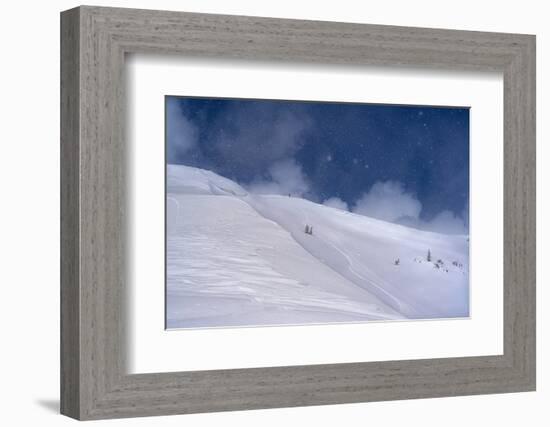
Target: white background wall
29, 212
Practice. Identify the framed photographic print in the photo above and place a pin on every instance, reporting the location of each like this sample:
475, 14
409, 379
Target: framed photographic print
262, 213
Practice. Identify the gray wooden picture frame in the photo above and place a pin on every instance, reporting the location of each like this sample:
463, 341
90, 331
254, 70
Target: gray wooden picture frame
94, 382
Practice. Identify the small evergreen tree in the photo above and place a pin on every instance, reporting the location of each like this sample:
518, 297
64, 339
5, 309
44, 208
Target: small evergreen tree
429, 257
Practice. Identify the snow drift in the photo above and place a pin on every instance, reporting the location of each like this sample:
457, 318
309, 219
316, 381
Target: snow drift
241, 259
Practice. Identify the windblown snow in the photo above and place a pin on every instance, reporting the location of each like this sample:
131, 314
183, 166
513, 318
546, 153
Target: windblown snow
241, 259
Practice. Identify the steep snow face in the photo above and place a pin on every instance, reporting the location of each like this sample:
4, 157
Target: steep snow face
237, 259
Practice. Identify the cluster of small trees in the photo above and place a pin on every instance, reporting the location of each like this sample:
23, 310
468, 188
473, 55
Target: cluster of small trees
439, 264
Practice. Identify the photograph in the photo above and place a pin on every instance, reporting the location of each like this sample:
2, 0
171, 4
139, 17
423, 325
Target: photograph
300, 212
259, 211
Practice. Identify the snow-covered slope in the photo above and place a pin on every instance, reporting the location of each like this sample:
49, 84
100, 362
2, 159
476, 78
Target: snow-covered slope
188, 180
235, 258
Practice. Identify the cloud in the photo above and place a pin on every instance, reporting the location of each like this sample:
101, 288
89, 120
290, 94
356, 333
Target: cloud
388, 201
181, 133
337, 203
445, 222
254, 141
252, 137
286, 177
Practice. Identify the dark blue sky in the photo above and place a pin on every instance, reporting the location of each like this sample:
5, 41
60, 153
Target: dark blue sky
333, 149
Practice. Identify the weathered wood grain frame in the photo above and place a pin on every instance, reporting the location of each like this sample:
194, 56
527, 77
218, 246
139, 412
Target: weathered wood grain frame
94, 382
